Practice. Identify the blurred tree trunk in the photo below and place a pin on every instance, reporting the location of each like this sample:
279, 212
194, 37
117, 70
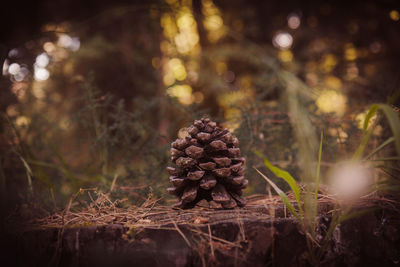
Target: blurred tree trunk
198, 16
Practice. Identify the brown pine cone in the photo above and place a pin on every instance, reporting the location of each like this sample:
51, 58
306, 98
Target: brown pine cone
208, 166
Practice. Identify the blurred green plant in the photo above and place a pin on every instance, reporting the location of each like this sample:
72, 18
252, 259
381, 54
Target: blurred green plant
317, 246
388, 164
102, 142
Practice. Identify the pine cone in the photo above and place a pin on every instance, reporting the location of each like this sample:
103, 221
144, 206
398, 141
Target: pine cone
208, 166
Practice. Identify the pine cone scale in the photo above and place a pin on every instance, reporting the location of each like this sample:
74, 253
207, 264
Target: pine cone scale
195, 175
219, 194
218, 145
208, 166
189, 194
224, 162
185, 162
208, 182
238, 180
223, 172
194, 152
203, 137
229, 204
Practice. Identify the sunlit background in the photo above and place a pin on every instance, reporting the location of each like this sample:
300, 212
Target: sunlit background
98, 95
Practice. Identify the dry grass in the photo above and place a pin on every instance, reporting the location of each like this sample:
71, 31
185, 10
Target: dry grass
103, 211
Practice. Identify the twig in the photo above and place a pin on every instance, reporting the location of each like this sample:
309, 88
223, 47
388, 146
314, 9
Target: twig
113, 182
53, 198
133, 187
211, 242
217, 238
181, 233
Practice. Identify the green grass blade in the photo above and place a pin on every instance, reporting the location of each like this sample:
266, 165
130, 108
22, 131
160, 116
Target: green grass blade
366, 132
387, 169
380, 147
282, 194
28, 173
353, 214
360, 150
371, 112
394, 123
284, 175
318, 167
386, 159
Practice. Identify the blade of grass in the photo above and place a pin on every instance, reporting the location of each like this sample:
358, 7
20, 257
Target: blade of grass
354, 214
371, 112
386, 159
318, 167
394, 123
380, 147
282, 174
389, 188
28, 174
364, 141
282, 194
366, 132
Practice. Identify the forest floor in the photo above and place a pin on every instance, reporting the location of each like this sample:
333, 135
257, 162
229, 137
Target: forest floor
260, 234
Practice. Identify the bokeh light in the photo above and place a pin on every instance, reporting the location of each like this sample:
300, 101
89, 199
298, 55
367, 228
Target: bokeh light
14, 68
350, 52
351, 71
394, 15
13, 53
64, 40
285, 56
293, 21
182, 92
187, 38
229, 76
49, 47
38, 91
177, 68
213, 21
332, 101
333, 82
21, 74
22, 121
12, 110
42, 60
329, 62
41, 74
71, 43
282, 40
349, 181
221, 67
375, 47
